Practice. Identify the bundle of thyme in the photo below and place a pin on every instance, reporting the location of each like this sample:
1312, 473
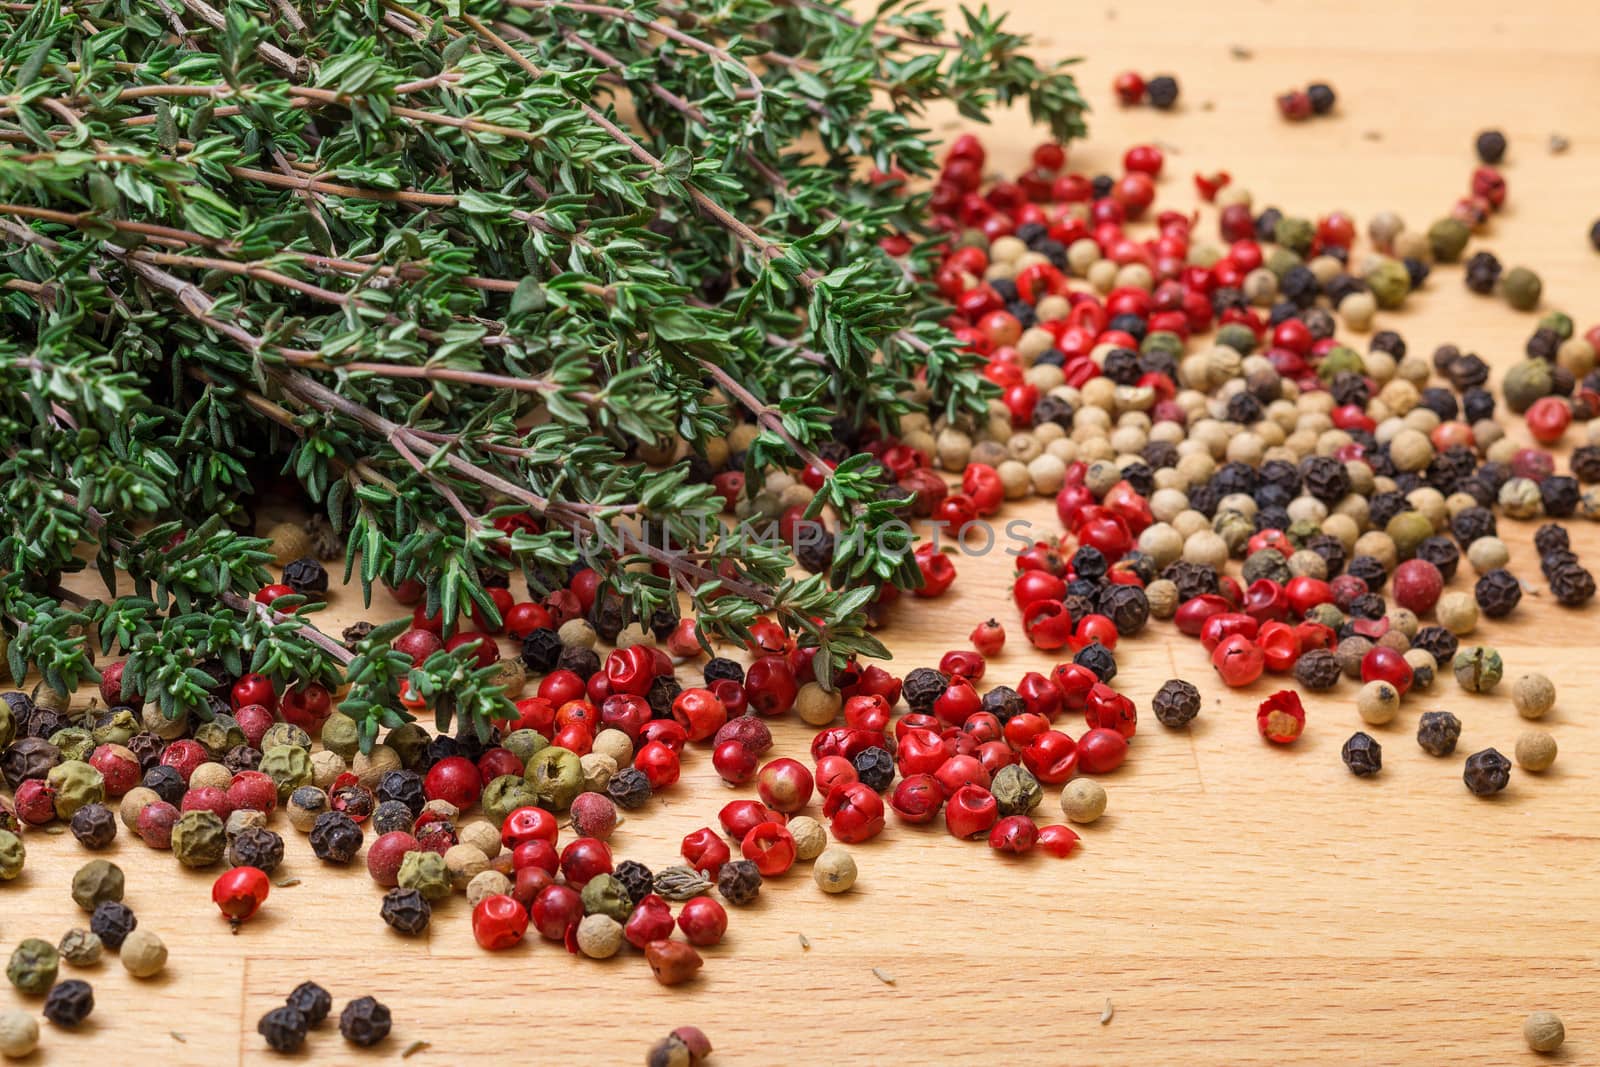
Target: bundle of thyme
451, 266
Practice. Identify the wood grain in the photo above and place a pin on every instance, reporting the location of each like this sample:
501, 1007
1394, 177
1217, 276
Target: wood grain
1240, 904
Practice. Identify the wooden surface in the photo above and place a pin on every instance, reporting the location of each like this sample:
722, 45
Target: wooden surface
1240, 903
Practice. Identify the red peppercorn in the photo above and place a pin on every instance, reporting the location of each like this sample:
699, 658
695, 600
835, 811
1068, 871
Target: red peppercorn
35, 804
1052, 757
770, 686
988, 638
1101, 751
248, 791
558, 908
454, 779
418, 644
1111, 710
268, 593
1281, 718
1015, 834
1295, 106
699, 712
1146, 158
958, 702
1073, 681
832, 772
659, 763
734, 762
770, 847
962, 663
522, 619
502, 601
854, 813
481, 648
937, 569
1238, 661
918, 798
498, 922
1040, 695
1059, 841
584, 859
971, 810
739, 817
1417, 585
703, 921
1280, 646
254, 689
239, 893
537, 854
1129, 88
306, 706
1384, 664
183, 756
785, 785
120, 771
1548, 419
528, 823
705, 851
1047, 624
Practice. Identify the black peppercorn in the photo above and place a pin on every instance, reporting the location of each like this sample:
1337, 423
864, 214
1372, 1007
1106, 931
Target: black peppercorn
608, 616
1077, 606
113, 921
636, 878
1325, 478
1362, 754
45, 723
335, 837
1318, 669
1477, 405
1552, 537
1004, 703
364, 1022
1542, 344
1097, 658
1121, 366
629, 789
1192, 579
814, 551
1162, 91
354, 634
167, 783
664, 690
312, 1001
1331, 549
1348, 387
306, 575
1487, 772
1322, 98
256, 847
1594, 235
1442, 553
1554, 560
284, 1029
584, 662
1438, 732
1490, 146
147, 748
1469, 524
69, 1002
1369, 569
1127, 607
1176, 703
875, 768
1572, 585
241, 758
405, 787
1052, 409
30, 757
1497, 593
739, 881
1483, 271
922, 687
406, 911
718, 668
1300, 286
392, 815
1384, 506
1559, 494
541, 649
1368, 606
1437, 642
94, 826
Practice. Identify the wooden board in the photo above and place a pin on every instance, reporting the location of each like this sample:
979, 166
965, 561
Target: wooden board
1240, 904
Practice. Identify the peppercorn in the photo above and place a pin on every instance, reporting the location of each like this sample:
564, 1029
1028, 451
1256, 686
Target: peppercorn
13, 854
1490, 146
922, 686
599, 936
1487, 772
199, 838
1536, 751
739, 881
94, 826
284, 1029
143, 954
1478, 669
541, 649
629, 788
1016, 791
874, 767
1522, 288
1533, 695
1004, 703
335, 837
1378, 702
835, 870
1543, 1032
1483, 272
636, 879
1162, 92
1497, 593
605, 894
1083, 800
96, 882
80, 947
1322, 97
33, 966
364, 1022
69, 1003
1572, 585
1127, 607
1438, 732
718, 668
1176, 703
425, 871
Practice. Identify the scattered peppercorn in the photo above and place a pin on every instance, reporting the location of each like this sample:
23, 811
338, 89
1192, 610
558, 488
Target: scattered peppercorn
739, 881
1543, 1031
364, 1022
1322, 97
406, 911
1497, 593
80, 947
94, 826
1487, 772
69, 1003
306, 575
1162, 92
1362, 754
284, 1029
312, 1001
1536, 750
143, 954
335, 837
33, 966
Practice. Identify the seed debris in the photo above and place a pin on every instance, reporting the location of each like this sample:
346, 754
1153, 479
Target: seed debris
414, 1048
179, 1038
286, 883
1239, 51
1558, 144
1107, 1012
886, 979
805, 942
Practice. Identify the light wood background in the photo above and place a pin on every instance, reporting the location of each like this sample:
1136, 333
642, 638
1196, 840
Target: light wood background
1240, 903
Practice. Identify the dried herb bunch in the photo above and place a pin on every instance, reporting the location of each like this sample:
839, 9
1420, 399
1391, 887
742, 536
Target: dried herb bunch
454, 268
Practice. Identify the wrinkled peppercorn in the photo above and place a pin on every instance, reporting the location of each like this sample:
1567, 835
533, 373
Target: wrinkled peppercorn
242, 758
312, 1001
664, 691
406, 910
1572, 585
30, 757
147, 749
1497, 593
1362, 754
1442, 553
404, 787
1192, 579
1097, 658
1483, 271
922, 687
1004, 702
1127, 607
335, 837
94, 826
364, 1022
1438, 732
284, 1029
814, 551
69, 1003
1552, 537
719, 668
392, 815
1331, 549
739, 881
1469, 524
1437, 642
1585, 463
1318, 669
1325, 478
629, 788
584, 662
637, 879
306, 575
167, 783
875, 768
1487, 772
256, 847
113, 921
541, 649
1559, 494
1368, 606
1490, 146
1176, 703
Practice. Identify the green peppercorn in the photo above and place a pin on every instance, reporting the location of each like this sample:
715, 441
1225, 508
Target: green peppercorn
1408, 530
556, 776
1447, 239
8, 724
1522, 288
33, 967
1238, 337
1558, 323
1478, 669
80, 947
425, 871
96, 882
340, 735
1525, 383
1016, 790
1339, 360
1390, 283
1279, 261
283, 733
74, 743
115, 727
13, 855
506, 794
219, 735
606, 895
523, 744
77, 785
1297, 235
289, 766
199, 838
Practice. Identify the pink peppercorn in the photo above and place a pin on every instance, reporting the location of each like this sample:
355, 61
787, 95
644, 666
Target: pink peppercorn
385, 854
156, 820
1417, 585
183, 756
207, 798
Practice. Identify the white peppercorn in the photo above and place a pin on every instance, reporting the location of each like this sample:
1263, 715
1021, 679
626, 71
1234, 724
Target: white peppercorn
19, 1034
834, 870
143, 954
1533, 695
599, 936
1083, 800
809, 837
